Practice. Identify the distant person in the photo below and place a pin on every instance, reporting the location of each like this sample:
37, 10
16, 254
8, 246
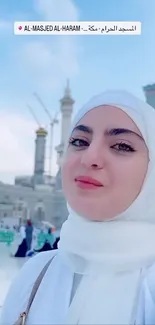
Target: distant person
48, 244
50, 236
46, 247
55, 245
22, 248
103, 271
29, 234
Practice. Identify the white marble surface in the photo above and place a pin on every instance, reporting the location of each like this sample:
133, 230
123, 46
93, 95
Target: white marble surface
9, 267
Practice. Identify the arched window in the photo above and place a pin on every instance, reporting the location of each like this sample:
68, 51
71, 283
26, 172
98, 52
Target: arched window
39, 214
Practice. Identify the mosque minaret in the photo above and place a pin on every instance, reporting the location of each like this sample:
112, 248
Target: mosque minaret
66, 109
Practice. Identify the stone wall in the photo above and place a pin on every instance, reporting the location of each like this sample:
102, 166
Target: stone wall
54, 203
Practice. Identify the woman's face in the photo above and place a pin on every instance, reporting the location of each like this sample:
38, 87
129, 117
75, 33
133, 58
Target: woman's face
105, 164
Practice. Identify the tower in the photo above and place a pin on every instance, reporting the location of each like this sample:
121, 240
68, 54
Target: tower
59, 203
66, 109
149, 92
40, 141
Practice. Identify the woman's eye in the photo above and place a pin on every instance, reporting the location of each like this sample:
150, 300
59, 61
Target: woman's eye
78, 143
119, 147
123, 147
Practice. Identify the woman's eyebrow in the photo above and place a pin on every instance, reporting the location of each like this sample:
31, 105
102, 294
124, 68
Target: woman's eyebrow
118, 131
83, 128
110, 132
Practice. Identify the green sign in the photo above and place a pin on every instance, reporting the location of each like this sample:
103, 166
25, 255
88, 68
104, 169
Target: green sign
6, 237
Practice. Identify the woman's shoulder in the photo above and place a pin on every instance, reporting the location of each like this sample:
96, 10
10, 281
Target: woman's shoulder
20, 289
33, 266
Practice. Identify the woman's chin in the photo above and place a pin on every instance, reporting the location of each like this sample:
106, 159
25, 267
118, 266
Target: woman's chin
89, 212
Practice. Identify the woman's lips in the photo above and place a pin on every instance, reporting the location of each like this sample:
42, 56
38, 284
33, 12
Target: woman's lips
86, 182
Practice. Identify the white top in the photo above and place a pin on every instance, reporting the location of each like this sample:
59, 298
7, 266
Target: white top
54, 295
22, 232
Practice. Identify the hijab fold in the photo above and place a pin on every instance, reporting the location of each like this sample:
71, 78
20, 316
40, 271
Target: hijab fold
111, 256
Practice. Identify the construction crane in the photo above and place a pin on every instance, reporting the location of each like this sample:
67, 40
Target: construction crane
34, 115
53, 122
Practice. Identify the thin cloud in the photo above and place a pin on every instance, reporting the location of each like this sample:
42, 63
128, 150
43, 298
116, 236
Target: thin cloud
44, 63
49, 61
57, 10
5, 25
16, 144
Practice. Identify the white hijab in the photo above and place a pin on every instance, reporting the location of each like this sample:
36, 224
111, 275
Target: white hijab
111, 255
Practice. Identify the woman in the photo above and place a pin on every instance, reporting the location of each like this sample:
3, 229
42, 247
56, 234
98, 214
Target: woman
29, 234
104, 269
48, 244
22, 248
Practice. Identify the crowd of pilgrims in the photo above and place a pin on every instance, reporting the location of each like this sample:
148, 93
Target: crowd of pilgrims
28, 242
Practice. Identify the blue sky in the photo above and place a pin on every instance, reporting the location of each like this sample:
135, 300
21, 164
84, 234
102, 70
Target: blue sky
43, 63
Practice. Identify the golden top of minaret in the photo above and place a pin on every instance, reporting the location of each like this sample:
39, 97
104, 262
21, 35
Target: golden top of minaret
41, 132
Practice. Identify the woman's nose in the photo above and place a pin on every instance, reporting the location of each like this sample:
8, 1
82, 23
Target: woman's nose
93, 157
